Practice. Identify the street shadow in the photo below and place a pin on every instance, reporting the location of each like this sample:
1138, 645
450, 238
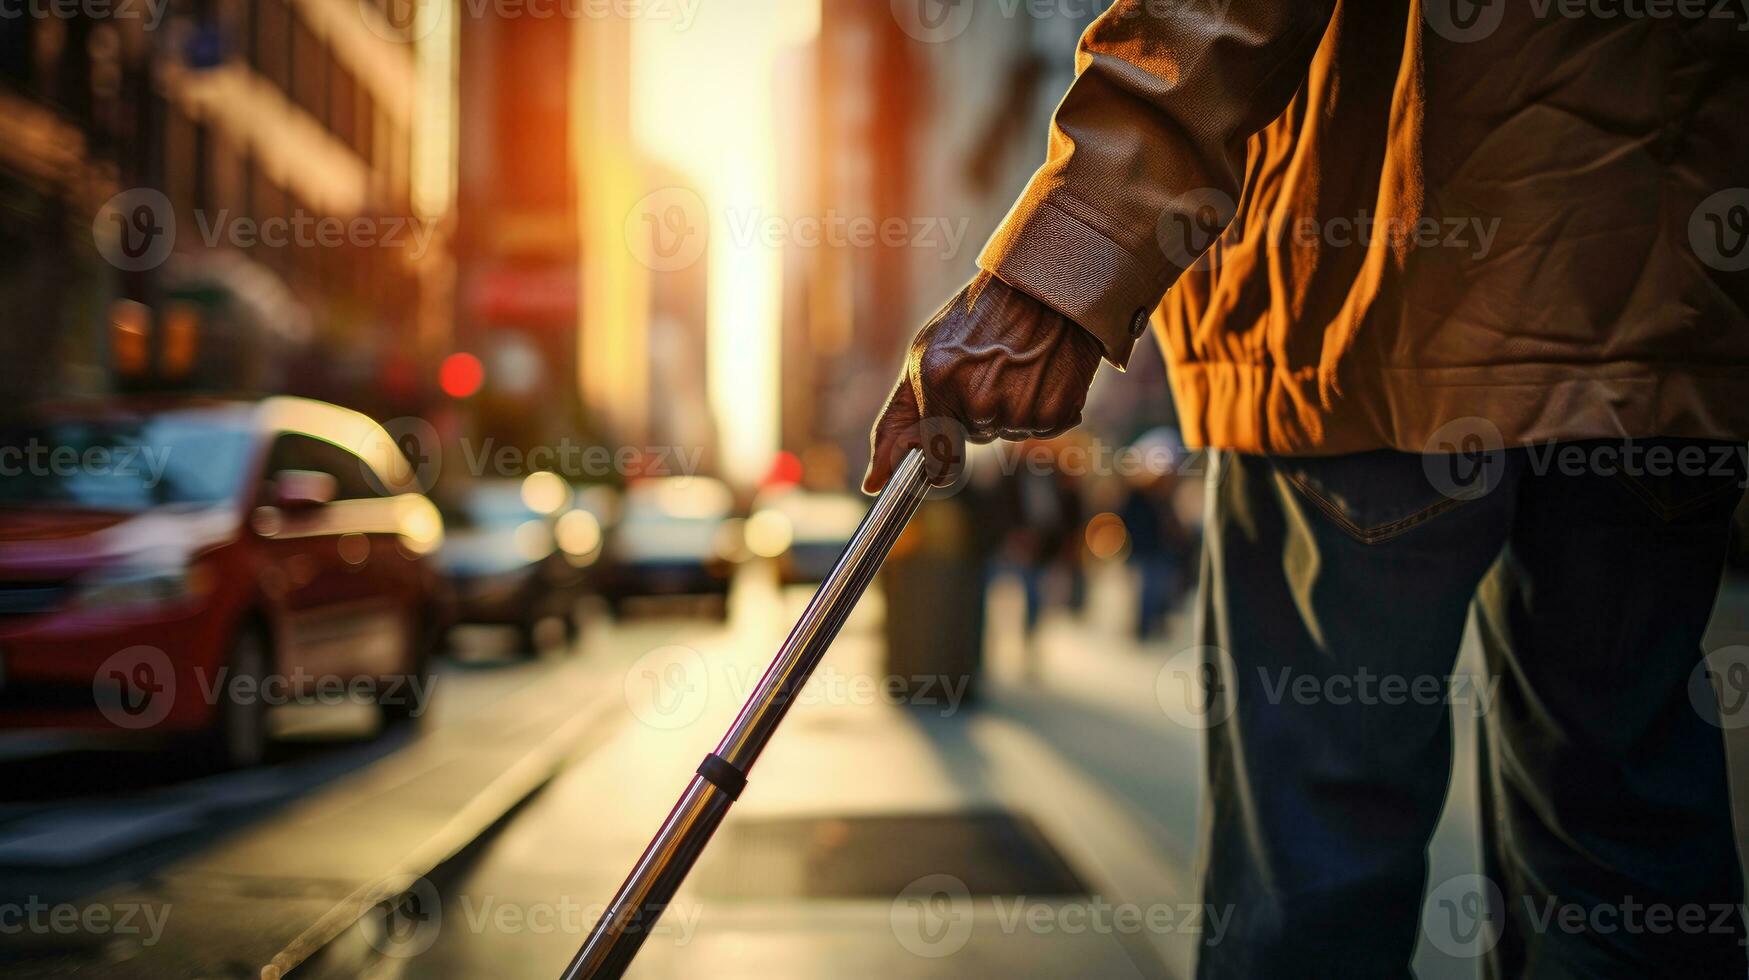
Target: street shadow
1153, 774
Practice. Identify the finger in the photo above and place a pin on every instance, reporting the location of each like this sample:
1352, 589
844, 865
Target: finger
894, 432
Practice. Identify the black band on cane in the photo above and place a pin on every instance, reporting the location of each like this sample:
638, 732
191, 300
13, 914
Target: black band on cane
720, 773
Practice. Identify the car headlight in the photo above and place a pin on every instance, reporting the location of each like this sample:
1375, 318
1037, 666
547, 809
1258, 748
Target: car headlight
142, 585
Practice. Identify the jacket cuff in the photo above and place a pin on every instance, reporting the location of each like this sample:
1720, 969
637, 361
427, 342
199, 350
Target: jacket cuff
1072, 267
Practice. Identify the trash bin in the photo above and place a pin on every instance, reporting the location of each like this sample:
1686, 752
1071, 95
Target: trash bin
934, 586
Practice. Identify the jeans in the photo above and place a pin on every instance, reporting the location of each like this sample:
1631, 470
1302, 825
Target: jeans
1603, 785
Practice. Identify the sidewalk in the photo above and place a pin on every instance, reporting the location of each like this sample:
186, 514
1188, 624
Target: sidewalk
874, 840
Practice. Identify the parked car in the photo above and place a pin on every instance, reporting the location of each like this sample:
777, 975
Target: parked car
804, 531
181, 566
514, 553
672, 537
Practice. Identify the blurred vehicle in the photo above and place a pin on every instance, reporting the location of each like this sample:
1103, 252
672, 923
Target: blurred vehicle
803, 530
514, 553
180, 566
673, 537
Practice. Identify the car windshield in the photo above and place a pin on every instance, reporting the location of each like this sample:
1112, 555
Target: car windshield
490, 508
126, 464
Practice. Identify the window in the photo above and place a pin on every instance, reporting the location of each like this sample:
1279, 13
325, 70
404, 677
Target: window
354, 478
309, 70
271, 42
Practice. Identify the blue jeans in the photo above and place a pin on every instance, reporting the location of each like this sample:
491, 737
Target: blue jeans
1603, 785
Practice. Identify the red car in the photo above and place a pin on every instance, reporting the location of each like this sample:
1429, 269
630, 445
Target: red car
183, 566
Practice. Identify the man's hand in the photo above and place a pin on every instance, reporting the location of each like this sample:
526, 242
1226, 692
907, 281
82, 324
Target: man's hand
995, 361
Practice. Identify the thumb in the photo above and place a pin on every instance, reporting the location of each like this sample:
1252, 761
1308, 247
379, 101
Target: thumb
895, 432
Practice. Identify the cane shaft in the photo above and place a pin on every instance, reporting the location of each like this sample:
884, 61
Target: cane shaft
654, 880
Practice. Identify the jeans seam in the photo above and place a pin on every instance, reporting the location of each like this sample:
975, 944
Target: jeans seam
1666, 512
1378, 532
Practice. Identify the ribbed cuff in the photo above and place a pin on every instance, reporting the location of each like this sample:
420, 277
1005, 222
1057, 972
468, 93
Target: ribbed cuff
1045, 251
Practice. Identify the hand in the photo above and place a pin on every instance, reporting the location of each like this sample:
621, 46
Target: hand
995, 361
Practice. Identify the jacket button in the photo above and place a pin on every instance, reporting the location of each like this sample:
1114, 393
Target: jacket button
1138, 322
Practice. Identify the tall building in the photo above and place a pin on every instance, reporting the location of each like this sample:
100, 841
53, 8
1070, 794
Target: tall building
855, 95
546, 295
224, 125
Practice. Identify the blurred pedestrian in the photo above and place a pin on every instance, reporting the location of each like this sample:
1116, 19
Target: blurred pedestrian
1161, 547
1458, 287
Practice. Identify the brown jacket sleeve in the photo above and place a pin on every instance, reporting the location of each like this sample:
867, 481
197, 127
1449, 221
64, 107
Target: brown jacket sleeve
1149, 138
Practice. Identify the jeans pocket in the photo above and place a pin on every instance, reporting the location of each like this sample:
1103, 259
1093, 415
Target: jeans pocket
1682, 478
1374, 496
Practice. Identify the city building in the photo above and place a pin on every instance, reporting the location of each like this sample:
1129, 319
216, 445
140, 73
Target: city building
221, 199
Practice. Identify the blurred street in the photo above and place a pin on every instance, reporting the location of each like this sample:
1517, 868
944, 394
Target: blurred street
425, 419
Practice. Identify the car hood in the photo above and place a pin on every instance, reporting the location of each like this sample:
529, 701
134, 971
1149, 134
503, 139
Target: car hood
52, 541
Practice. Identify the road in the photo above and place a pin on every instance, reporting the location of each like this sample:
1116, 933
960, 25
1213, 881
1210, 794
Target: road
78, 815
